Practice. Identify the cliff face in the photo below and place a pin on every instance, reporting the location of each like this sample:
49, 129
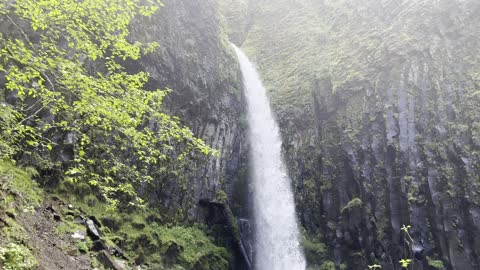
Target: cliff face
379, 107
196, 61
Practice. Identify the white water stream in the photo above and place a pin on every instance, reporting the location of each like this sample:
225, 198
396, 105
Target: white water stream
277, 245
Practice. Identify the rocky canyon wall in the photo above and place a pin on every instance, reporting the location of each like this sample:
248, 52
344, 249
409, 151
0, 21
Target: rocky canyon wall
378, 103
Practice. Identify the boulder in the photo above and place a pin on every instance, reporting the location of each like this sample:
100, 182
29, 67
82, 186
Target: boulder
92, 230
79, 220
108, 261
78, 235
99, 245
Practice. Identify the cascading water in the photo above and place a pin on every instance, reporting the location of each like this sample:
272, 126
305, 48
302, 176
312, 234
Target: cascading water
277, 246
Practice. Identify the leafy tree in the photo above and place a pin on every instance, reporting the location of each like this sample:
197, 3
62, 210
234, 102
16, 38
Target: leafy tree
61, 61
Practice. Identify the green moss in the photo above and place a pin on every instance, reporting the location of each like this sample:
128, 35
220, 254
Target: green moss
68, 227
196, 249
147, 241
18, 194
19, 181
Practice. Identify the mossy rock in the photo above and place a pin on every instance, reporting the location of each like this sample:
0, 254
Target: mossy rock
195, 250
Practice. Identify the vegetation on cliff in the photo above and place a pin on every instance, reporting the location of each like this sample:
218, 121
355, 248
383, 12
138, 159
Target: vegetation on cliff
97, 136
61, 62
376, 104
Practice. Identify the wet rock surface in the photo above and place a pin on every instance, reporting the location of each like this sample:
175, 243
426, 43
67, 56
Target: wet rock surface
377, 103
200, 67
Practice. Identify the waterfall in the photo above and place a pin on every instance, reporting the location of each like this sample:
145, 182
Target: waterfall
277, 245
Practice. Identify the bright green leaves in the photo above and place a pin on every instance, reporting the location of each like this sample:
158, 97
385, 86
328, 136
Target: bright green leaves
92, 26
404, 263
148, 10
69, 70
406, 228
15, 136
9, 135
16, 257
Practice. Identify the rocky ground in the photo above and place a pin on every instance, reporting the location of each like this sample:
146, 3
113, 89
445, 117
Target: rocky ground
61, 237
52, 250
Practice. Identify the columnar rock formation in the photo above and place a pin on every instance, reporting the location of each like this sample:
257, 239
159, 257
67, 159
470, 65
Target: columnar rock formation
378, 105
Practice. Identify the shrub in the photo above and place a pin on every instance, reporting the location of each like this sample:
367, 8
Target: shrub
16, 257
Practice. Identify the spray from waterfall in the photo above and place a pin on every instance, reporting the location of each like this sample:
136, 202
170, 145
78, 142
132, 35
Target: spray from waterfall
277, 245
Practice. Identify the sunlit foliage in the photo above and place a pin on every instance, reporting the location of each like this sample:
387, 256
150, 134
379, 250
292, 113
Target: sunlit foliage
65, 86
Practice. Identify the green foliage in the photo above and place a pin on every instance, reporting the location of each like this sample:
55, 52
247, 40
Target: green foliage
404, 263
406, 229
16, 257
14, 231
64, 59
19, 194
315, 250
437, 264
328, 265
221, 197
83, 246
354, 203
145, 239
10, 131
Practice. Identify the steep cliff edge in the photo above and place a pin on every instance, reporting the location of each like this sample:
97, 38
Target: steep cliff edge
378, 103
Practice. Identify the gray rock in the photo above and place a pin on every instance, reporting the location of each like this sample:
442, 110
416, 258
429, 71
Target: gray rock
108, 261
79, 220
92, 230
78, 235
